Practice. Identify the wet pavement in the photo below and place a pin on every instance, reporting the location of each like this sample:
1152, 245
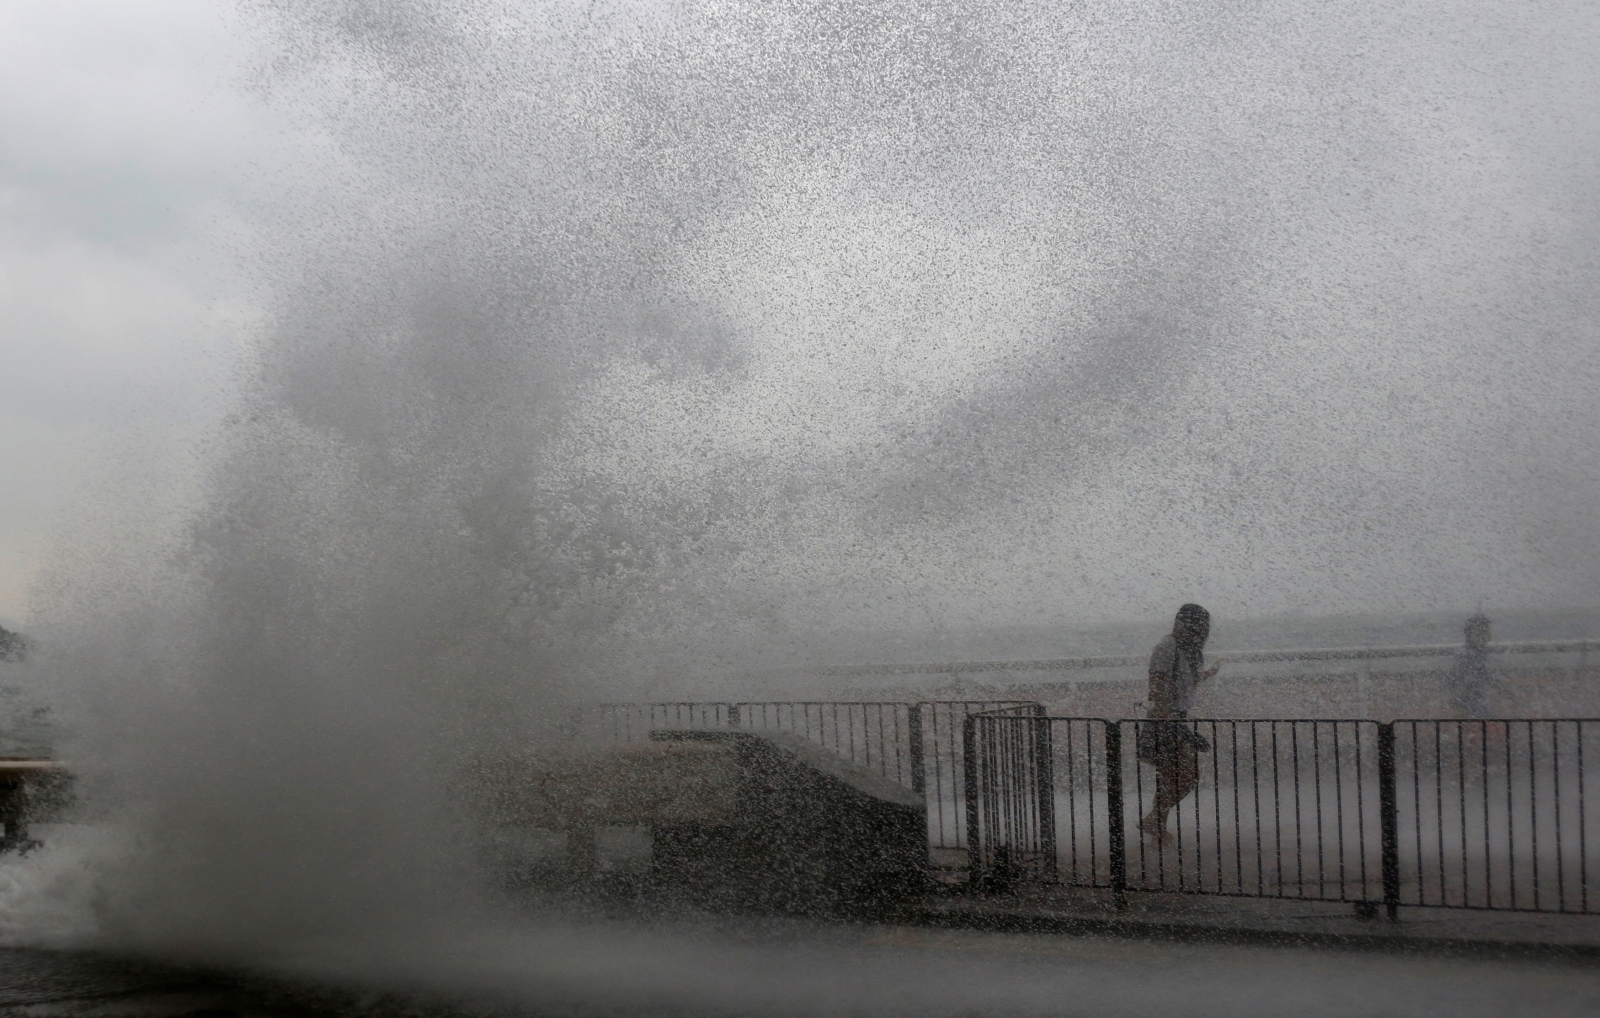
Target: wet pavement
67, 984
1269, 921
718, 965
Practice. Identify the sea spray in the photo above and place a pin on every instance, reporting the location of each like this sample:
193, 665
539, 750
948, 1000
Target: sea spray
599, 343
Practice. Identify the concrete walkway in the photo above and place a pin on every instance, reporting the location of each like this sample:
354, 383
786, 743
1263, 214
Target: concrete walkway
1265, 921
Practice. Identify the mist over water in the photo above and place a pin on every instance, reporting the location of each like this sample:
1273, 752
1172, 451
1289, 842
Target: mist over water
599, 345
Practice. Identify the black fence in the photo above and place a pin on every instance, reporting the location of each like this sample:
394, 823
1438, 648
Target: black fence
1496, 814
1461, 814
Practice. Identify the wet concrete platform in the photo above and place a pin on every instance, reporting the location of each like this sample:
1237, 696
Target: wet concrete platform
60, 984
1189, 917
729, 967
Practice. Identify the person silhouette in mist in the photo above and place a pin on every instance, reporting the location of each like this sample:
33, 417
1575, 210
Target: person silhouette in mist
1164, 741
1469, 677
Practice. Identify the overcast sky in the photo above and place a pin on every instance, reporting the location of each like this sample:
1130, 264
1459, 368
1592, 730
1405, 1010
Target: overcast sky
120, 155
1282, 308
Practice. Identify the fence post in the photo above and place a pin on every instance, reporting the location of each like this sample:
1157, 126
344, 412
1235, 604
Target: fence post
919, 780
1045, 788
969, 767
1388, 820
1118, 843
733, 715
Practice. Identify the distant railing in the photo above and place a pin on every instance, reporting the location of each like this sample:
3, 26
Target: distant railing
1581, 647
633, 722
1459, 814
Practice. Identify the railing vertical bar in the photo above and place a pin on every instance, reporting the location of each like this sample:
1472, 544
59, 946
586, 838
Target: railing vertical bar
995, 780
1439, 804
969, 760
874, 749
1216, 797
902, 763
1161, 849
1072, 804
1088, 760
1555, 777
1461, 787
1238, 844
850, 727
919, 775
992, 781
1011, 755
1416, 812
990, 749
866, 733
1026, 808
1338, 812
938, 773
1177, 822
1316, 778
1583, 833
1255, 786
1488, 851
1277, 809
1511, 824
1361, 818
1533, 814
1007, 767
1117, 843
1045, 761
1138, 786
1025, 771
1299, 820
1388, 810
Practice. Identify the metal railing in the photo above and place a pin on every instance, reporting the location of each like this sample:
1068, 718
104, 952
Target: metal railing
876, 735
1460, 814
1497, 814
1583, 648
633, 722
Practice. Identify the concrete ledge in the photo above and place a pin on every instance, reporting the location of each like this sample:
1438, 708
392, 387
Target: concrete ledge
813, 832
798, 750
31, 791
736, 818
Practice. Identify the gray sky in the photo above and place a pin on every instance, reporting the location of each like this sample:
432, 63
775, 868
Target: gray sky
120, 154
1279, 308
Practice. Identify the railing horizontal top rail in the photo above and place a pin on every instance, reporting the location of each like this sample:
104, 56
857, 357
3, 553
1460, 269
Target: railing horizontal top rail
995, 715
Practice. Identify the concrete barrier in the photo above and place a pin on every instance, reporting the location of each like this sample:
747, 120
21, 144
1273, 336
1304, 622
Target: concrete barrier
737, 818
30, 790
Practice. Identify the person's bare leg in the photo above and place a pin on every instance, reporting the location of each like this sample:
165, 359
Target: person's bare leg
1173, 783
1185, 778
1155, 822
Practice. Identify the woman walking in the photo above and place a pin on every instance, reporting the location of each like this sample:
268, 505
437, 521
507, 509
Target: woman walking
1164, 741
